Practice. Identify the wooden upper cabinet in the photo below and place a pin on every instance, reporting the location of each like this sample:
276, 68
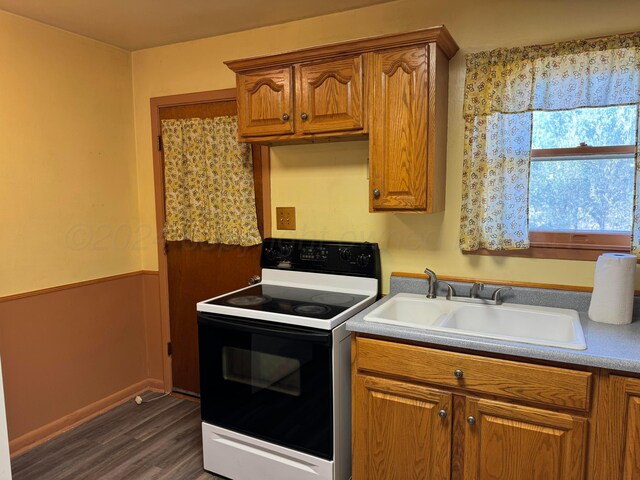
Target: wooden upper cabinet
392, 88
329, 96
398, 431
265, 102
515, 442
408, 129
301, 100
398, 145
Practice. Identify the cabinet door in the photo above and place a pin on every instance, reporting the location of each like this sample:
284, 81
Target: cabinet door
618, 431
398, 432
329, 96
398, 129
511, 442
265, 103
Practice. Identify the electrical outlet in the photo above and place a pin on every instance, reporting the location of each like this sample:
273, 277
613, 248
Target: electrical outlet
286, 218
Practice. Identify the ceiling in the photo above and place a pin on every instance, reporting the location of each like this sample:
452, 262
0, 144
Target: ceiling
136, 24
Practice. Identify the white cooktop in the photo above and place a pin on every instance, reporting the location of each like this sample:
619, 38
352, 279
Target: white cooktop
363, 289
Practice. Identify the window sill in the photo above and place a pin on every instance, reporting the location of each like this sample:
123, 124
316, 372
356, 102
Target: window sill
566, 246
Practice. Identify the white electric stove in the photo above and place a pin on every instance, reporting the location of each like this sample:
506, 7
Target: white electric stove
275, 363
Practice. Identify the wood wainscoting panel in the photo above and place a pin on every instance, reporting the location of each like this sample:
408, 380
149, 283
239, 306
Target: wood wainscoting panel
71, 351
155, 347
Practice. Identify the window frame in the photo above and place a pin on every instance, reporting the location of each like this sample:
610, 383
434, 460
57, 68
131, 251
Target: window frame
572, 245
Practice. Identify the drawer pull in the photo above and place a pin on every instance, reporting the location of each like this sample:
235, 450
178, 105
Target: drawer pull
442, 414
471, 420
285, 117
458, 374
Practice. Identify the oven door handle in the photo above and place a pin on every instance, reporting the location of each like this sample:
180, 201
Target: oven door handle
265, 328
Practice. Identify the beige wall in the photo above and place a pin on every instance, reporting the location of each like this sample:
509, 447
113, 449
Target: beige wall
69, 213
328, 183
68, 185
77, 200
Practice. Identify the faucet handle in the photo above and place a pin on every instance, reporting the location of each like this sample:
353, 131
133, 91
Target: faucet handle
475, 288
497, 295
451, 292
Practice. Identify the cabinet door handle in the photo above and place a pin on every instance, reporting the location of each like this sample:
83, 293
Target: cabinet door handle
442, 414
376, 193
304, 116
471, 420
458, 374
285, 117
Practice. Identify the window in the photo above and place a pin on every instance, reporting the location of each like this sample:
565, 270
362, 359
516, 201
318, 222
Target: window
581, 178
550, 149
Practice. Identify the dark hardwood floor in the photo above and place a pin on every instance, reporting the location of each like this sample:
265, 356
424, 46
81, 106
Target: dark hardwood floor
156, 440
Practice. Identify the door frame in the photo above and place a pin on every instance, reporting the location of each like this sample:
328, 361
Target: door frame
156, 104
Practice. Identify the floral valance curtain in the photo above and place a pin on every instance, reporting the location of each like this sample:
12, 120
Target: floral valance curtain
209, 191
502, 89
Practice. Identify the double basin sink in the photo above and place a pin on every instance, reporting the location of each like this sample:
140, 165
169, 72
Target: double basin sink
547, 326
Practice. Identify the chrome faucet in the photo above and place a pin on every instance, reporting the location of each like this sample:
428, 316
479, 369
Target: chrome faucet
476, 288
496, 297
433, 283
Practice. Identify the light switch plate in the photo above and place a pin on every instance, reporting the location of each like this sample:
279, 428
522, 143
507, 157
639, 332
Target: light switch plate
286, 218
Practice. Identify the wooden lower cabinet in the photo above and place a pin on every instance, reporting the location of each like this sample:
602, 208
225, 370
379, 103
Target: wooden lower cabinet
512, 442
617, 450
424, 413
401, 431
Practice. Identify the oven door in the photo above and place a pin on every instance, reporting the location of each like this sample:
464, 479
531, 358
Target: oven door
267, 380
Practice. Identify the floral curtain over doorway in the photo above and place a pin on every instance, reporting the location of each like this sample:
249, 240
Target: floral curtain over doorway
502, 88
209, 191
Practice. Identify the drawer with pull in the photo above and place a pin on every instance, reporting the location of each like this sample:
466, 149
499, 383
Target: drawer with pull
504, 378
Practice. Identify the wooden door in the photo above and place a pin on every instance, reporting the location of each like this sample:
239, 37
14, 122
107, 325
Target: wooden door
398, 129
265, 102
512, 442
329, 96
197, 271
398, 432
618, 431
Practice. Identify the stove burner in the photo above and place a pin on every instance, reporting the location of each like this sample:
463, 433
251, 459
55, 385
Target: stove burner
332, 298
249, 300
310, 309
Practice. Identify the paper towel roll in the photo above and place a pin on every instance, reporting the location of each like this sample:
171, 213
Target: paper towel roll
613, 288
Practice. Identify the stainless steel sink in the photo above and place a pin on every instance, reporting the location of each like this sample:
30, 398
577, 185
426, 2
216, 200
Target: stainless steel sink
547, 326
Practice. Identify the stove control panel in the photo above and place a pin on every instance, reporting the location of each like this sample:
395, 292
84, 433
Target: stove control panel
343, 258
317, 254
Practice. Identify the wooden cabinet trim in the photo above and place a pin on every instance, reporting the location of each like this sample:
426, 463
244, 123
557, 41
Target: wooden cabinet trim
408, 390
503, 378
440, 35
